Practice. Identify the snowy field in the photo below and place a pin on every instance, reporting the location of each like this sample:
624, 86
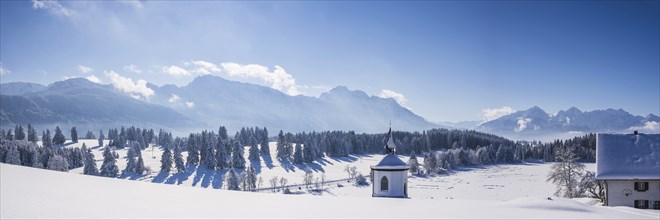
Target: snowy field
37, 193
499, 191
493, 182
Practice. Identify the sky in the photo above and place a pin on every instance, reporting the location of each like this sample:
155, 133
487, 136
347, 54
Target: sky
446, 60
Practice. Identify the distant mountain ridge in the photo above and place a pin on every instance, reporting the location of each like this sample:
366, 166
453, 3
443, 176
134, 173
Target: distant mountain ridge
535, 121
206, 102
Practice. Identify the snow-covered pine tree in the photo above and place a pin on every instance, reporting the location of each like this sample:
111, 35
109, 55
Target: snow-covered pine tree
178, 160
231, 180
19, 133
109, 167
131, 162
139, 167
298, 155
254, 151
308, 152
251, 178
430, 162
221, 154
237, 159
47, 139
32, 134
74, 135
9, 136
263, 143
101, 138
193, 151
281, 147
413, 163
58, 163
210, 160
166, 160
566, 172
13, 156
58, 138
89, 167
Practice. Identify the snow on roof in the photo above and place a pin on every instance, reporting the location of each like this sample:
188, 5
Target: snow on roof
628, 156
391, 161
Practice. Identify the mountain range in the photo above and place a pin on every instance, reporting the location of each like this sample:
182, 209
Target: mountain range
210, 101
205, 103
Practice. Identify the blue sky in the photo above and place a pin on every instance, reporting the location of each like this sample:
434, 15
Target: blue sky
447, 61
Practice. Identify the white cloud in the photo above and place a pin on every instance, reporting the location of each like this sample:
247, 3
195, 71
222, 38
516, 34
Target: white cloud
649, 127
522, 124
175, 71
132, 68
190, 104
173, 99
93, 78
203, 67
135, 89
278, 79
84, 69
494, 113
3, 70
52, 6
400, 98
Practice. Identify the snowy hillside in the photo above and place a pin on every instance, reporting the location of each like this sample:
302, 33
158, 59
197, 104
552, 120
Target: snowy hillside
36, 193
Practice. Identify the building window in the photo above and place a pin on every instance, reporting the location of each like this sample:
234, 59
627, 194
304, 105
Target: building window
384, 184
656, 204
641, 186
642, 204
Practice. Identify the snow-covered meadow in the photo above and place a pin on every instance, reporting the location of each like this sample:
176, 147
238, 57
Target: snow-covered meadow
498, 191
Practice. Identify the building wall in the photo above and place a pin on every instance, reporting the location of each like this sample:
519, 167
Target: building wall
396, 180
616, 197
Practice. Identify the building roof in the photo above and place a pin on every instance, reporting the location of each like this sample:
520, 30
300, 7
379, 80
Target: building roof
627, 156
391, 162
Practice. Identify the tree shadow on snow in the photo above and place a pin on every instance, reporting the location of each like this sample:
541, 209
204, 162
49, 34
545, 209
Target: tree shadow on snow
287, 166
349, 159
256, 164
268, 161
218, 177
179, 178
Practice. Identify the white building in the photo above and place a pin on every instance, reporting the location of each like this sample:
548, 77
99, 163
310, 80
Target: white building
390, 175
629, 165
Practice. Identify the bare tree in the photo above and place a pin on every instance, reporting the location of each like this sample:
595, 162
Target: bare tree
566, 172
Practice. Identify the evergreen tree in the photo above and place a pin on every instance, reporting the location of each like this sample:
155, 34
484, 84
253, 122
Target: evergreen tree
193, 151
74, 135
32, 134
221, 154
231, 180
101, 138
140, 168
131, 162
308, 152
178, 160
566, 172
413, 163
281, 147
166, 161
59, 138
90, 162
13, 156
264, 149
298, 155
20, 134
47, 141
57, 163
251, 179
237, 159
109, 167
430, 163
90, 135
210, 155
254, 151
222, 133
9, 136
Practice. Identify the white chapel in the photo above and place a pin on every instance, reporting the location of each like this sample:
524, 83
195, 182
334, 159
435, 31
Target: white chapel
390, 175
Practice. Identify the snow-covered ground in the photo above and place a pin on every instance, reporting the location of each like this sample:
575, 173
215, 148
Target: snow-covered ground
497, 191
36, 193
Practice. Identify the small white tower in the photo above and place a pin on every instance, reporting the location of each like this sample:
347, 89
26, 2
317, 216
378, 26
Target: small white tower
390, 175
